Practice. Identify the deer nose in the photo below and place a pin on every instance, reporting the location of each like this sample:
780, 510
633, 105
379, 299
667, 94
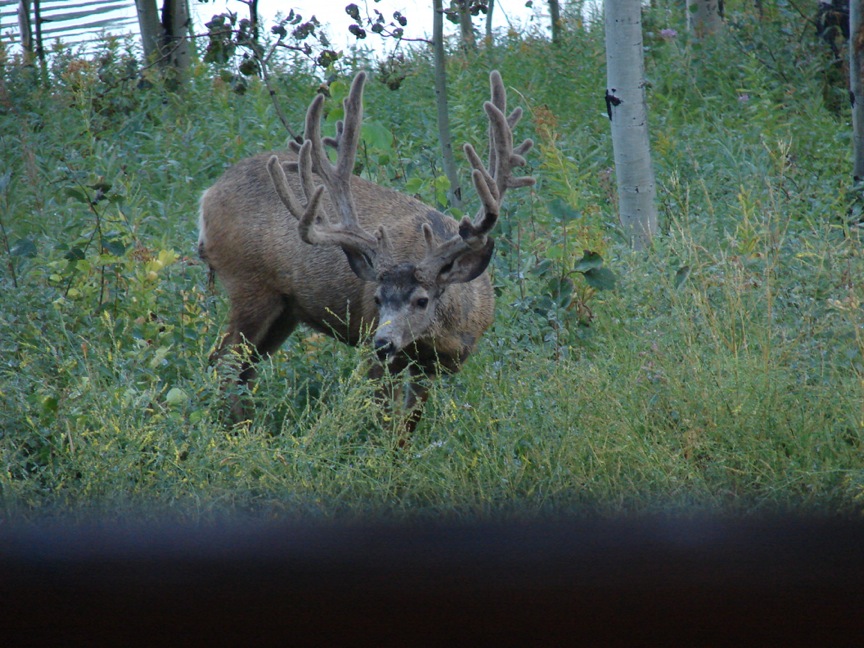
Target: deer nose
384, 347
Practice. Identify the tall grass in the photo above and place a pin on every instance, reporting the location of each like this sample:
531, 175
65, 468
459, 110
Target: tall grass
723, 371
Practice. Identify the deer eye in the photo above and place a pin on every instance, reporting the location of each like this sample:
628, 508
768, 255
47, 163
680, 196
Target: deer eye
422, 302
377, 300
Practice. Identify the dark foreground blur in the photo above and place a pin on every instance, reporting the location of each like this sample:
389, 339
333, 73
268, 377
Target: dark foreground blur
685, 582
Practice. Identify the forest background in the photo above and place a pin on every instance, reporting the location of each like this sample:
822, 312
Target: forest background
720, 370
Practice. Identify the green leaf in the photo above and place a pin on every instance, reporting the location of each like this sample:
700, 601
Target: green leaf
600, 278
75, 254
101, 186
441, 182
681, 275
554, 252
543, 305
561, 290
561, 210
336, 113
414, 185
541, 268
176, 397
23, 248
377, 136
589, 261
338, 91
49, 404
76, 193
114, 247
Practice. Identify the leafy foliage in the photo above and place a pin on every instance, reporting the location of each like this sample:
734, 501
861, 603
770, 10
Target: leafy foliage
722, 370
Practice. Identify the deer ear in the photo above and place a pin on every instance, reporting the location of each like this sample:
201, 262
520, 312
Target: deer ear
361, 264
467, 266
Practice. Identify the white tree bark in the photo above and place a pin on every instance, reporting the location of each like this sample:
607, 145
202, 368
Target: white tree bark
448, 161
150, 28
625, 72
856, 86
555, 20
165, 38
26, 30
490, 7
466, 27
177, 26
703, 17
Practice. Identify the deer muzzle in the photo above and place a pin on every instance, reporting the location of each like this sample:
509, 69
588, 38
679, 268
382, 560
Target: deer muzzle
389, 338
384, 348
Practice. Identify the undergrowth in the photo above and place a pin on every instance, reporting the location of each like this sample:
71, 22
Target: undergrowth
722, 370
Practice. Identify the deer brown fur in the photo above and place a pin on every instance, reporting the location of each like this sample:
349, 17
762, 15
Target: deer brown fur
296, 239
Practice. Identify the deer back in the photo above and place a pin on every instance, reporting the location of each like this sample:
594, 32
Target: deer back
252, 244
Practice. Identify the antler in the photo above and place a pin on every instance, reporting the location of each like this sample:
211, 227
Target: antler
490, 181
315, 227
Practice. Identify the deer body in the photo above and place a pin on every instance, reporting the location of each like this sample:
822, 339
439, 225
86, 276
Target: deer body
296, 239
275, 280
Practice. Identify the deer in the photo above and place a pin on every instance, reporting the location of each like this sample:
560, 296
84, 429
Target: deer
297, 239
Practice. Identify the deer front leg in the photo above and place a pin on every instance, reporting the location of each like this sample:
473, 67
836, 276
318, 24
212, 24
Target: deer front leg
401, 399
416, 395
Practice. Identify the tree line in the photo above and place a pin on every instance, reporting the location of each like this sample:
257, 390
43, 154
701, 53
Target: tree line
168, 42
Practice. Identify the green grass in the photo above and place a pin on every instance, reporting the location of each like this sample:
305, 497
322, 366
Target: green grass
723, 372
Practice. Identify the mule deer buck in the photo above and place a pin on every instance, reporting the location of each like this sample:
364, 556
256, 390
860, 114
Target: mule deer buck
357, 259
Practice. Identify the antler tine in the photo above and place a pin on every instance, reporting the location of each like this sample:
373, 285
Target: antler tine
497, 91
337, 177
315, 227
348, 131
506, 158
384, 251
311, 129
493, 180
305, 214
490, 181
303, 168
498, 98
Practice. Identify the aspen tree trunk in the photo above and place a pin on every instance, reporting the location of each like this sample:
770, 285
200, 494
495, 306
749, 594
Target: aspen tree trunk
24, 26
165, 38
37, 32
490, 7
254, 18
704, 17
856, 85
443, 110
555, 19
31, 35
150, 28
466, 27
175, 21
625, 99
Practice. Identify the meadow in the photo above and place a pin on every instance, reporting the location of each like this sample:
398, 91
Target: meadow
721, 370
